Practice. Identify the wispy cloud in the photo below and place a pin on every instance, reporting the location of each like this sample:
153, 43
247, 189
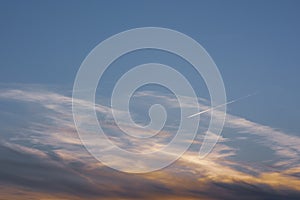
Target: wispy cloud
45, 158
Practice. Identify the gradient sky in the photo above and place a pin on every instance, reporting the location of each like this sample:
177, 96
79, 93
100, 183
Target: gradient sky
255, 45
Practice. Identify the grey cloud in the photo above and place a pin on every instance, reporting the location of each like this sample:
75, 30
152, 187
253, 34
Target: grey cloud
48, 157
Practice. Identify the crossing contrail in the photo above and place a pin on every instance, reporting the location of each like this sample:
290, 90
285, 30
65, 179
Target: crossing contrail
218, 106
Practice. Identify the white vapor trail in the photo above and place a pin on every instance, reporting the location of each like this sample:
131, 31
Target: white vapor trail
218, 106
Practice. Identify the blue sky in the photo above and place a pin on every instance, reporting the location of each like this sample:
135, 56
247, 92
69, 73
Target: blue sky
255, 45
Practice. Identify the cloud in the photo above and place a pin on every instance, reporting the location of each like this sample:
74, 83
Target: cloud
45, 159
284, 145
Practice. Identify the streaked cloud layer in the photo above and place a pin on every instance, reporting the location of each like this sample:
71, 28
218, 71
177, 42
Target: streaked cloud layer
43, 158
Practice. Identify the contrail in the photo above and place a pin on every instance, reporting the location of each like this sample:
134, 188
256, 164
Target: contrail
229, 102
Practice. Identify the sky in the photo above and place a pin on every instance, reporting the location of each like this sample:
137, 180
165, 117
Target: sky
255, 45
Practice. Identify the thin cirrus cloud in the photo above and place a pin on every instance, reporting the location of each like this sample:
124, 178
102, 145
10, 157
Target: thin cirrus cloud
42, 156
